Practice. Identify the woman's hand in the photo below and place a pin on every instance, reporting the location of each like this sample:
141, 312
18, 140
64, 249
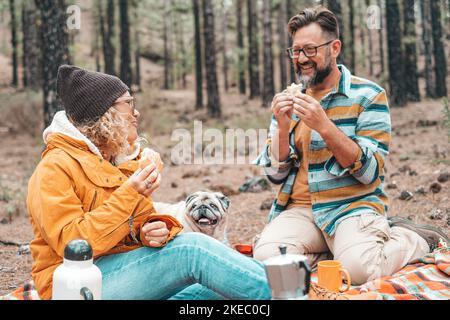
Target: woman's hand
146, 180
156, 233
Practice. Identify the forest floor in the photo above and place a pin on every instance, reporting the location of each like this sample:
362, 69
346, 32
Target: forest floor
420, 154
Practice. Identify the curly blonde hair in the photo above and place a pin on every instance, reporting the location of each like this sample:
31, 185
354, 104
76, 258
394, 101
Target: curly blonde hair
108, 133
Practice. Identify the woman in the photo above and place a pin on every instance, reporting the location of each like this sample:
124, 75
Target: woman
88, 185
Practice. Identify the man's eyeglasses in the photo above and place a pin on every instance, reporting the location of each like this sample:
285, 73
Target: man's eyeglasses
308, 51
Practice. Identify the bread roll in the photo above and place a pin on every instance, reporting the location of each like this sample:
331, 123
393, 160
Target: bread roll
294, 89
150, 156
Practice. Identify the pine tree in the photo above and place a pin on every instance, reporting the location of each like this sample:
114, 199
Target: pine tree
125, 56
268, 88
54, 51
335, 7
212, 87
224, 45
290, 13
253, 51
371, 55
198, 56
396, 67
282, 23
107, 34
167, 47
362, 34
409, 40
427, 38
12, 9
32, 75
440, 63
381, 40
137, 46
240, 45
351, 48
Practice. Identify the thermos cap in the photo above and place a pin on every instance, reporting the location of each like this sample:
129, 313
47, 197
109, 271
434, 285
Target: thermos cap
78, 250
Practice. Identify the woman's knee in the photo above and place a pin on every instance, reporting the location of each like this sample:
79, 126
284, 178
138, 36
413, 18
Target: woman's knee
193, 238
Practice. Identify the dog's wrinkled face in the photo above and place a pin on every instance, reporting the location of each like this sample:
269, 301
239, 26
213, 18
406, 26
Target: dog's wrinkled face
207, 209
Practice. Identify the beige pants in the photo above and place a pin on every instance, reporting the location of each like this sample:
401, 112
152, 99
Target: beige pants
365, 245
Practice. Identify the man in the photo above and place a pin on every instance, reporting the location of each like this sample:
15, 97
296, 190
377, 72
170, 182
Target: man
327, 148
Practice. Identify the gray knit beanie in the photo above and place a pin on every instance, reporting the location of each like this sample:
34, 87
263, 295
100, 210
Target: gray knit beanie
87, 95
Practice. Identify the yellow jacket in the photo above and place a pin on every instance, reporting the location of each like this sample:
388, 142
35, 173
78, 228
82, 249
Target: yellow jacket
74, 194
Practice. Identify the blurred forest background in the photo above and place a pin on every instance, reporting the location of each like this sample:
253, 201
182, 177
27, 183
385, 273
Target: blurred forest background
221, 62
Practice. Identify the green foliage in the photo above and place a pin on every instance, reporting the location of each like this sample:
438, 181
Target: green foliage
6, 194
446, 112
22, 112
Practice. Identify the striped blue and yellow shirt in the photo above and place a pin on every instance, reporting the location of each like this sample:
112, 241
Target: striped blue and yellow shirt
359, 108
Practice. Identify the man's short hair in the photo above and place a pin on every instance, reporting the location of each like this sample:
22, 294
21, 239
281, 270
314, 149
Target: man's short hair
320, 15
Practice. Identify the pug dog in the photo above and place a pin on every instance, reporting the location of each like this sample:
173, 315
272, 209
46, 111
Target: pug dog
202, 211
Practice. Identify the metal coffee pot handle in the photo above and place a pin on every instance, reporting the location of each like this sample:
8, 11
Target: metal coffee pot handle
86, 294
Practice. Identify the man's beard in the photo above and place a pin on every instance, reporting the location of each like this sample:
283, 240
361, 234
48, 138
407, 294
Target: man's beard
318, 77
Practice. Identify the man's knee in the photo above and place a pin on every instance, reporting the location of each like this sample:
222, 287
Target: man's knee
361, 270
266, 250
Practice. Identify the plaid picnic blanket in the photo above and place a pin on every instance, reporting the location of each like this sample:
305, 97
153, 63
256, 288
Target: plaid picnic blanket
427, 280
25, 292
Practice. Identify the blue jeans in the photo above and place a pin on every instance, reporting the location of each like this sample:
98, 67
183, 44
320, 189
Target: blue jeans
192, 266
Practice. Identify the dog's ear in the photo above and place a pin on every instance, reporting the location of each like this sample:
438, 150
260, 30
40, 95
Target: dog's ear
190, 197
224, 201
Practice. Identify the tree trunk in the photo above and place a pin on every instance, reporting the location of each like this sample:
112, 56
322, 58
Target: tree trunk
99, 29
64, 37
427, 38
362, 34
351, 49
381, 39
125, 56
212, 87
240, 44
448, 19
371, 55
198, 56
174, 18
107, 33
224, 45
32, 75
137, 49
290, 13
268, 88
253, 51
335, 7
440, 63
396, 74
282, 23
111, 51
24, 60
167, 51
54, 51
184, 55
12, 9
410, 58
